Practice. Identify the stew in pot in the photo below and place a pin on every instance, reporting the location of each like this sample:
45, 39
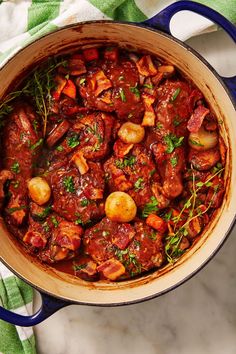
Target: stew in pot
112, 163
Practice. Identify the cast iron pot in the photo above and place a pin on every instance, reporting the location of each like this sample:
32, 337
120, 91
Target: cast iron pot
59, 289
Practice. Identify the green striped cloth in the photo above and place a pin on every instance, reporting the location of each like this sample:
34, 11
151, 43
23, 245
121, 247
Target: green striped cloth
21, 22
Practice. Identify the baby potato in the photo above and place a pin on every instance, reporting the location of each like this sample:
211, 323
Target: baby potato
120, 207
131, 133
39, 190
203, 139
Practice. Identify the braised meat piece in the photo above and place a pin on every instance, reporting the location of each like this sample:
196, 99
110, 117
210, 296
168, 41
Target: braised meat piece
116, 88
138, 248
175, 103
51, 237
77, 197
134, 173
21, 145
89, 136
126, 96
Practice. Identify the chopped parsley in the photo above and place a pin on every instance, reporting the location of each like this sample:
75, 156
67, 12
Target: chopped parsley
122, 95
82, 81
149, 86
80, 266
73, 141
84, 202
150, 207
12, 210
44, 213
152, 172
159, 125
96, 147
168, 215
175, 94
55, 221
15, 167
176, 122
194, 142
105, 233
59, 148
37, 144
121, 78
69, 184
16, 184
127, 162
138, 184
35, 125
174, 161
46, 226
172, 142
135, 91
153, 236
78, 221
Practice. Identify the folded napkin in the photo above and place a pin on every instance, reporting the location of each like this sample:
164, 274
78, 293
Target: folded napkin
17, 296
21, 22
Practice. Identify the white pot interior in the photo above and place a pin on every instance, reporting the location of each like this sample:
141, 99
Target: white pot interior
71, 288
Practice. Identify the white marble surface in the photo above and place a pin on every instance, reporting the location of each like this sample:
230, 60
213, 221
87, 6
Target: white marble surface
197, 318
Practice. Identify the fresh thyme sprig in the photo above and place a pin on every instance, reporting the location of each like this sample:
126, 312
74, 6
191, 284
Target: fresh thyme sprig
172, 246
188, 203
38, 86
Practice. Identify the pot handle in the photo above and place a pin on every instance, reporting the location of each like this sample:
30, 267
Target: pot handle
50, 305
161, 21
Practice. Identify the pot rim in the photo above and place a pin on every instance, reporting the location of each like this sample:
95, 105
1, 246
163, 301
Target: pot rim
231, 225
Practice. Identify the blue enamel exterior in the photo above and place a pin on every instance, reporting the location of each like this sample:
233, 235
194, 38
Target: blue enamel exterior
50, 305
161, 22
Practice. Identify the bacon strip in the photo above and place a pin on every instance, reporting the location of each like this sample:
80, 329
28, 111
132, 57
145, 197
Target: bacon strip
197, 118
111, 269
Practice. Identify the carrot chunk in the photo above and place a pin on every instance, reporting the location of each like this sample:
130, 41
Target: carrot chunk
60, 84
70, 89
156, 223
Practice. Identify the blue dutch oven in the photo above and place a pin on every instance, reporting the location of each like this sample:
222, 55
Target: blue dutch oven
58, 289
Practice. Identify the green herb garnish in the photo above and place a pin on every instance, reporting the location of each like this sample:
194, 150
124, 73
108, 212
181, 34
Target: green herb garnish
175, 94
174, 161
84, 202
159, 125
55, 221
172, 142
150, 207
176, 122
122, 95
127, 162
135, 91
15, 184
44, 213
194, 142
12, 210
73, 141
152, 172
69, 184
82, 81
38, 143
138, 184
15, 167
79, 267
59, 148
149, 86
